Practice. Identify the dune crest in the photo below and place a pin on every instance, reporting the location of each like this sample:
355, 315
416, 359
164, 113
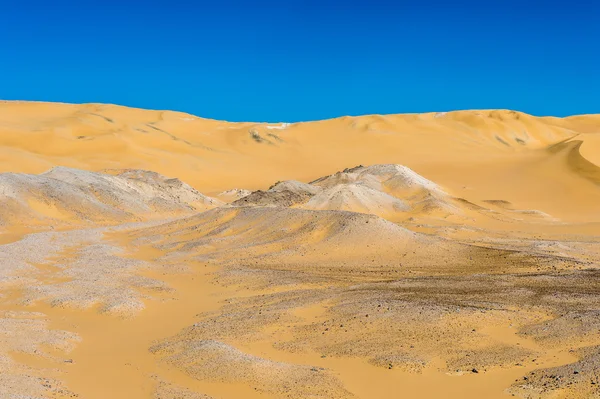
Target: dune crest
213, 156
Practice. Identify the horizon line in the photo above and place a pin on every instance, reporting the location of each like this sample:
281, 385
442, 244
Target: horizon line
304, 121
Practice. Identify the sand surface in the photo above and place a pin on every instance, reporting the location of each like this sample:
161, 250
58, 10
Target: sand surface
155, 254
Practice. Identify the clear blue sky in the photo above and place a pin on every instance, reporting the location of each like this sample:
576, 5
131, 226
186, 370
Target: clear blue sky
303, 60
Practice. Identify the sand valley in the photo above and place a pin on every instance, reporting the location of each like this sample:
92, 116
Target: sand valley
159, 255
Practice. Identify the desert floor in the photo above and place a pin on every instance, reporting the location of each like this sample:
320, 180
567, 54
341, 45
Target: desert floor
155, 254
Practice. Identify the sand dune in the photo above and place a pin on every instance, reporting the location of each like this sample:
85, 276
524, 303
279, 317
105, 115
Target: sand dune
214, 156
460, 261
478, 155
570, 152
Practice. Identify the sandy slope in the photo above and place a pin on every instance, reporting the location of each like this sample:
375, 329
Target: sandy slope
460, 261
63, 196
496, 154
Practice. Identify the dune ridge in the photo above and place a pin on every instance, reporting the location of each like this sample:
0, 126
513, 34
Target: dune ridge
575, 160
214, 156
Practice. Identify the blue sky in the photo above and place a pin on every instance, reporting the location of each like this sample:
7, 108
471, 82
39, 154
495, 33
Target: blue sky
304, 60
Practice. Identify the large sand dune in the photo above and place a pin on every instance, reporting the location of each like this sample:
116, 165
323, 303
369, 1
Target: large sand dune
212, 155
460, 258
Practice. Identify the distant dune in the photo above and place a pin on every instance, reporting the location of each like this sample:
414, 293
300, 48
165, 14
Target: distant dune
462, 151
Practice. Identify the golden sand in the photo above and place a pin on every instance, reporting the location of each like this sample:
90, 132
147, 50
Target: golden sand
271, 302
